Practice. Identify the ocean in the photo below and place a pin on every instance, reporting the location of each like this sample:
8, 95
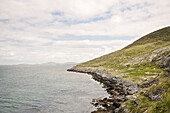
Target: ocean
46, 89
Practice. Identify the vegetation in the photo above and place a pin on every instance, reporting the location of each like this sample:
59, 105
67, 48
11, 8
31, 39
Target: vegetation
134, 60
145, 104
138, 61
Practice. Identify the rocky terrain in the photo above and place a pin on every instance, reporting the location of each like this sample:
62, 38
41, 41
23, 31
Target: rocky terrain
136, 75
115, 86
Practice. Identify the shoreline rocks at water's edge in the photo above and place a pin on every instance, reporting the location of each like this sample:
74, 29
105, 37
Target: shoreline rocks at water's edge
146, 63
118, 89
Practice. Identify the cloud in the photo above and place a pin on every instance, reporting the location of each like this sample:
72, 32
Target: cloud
59, 51
38, 31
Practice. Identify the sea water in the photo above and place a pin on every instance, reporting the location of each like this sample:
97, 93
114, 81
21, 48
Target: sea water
46, 89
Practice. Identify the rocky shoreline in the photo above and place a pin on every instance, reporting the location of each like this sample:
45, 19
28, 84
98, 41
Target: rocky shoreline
119, 90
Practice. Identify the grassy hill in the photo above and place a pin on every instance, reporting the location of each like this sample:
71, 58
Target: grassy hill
140, 62
135, 59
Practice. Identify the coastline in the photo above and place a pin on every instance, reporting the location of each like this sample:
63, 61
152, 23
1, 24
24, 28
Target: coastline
119, 90
133, 76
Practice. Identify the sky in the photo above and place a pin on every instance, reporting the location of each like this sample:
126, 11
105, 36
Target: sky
39, 31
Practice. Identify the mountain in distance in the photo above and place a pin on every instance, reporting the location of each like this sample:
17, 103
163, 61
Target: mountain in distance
44, 64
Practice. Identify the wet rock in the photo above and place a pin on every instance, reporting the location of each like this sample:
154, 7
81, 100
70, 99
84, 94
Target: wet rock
121, 91
113, 92
115, 86
96, 104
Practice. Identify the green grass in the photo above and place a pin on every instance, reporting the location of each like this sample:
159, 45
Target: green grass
136, 56
134, 61
157, 36
145, 103
139, 70
119, 62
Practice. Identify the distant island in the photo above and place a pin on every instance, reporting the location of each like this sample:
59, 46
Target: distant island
47, 63
136, 77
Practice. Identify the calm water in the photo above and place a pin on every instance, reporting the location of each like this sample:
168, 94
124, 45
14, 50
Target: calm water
46, 89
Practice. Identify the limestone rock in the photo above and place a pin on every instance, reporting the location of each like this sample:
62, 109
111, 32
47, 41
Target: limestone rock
124, 76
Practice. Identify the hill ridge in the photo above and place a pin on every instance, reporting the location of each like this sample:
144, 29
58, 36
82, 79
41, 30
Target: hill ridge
144, 63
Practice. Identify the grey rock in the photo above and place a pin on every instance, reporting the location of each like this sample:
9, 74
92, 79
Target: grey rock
155, 73
123, 106
167, 70
115, 86
167, 61
165, 75
133, 80
136, 102
124, 76
130, 69
155, 97
144, 79
134, 96
126, 111
153, 76
147, 73
128, 97
148, 84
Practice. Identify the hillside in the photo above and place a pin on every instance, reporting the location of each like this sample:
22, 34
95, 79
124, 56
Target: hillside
145, 63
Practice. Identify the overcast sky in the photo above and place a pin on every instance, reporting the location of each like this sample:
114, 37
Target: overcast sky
38, 31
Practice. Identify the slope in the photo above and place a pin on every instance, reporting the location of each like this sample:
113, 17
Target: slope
146, 63
136, 59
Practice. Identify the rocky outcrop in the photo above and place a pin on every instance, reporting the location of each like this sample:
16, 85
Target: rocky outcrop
150, 83
156, 95
115, 86
149, 57
121, 91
